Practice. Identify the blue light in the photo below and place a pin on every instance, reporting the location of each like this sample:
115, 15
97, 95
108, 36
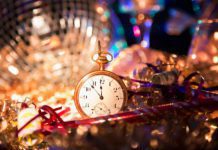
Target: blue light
126, 6
148, 23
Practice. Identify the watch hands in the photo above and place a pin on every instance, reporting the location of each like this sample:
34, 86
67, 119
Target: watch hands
100, 95
100, 107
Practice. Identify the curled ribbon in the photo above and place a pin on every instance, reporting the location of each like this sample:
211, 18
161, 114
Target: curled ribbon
206, 101
54, 122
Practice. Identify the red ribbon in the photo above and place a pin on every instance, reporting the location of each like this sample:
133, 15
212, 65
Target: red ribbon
204, 100
55, 122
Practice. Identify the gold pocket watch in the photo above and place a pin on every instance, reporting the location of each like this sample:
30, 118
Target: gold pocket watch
100, 92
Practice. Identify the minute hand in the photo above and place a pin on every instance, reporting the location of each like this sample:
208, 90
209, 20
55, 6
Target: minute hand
95, 90
101, 97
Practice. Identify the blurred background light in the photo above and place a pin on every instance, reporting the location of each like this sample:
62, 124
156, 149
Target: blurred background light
51, 42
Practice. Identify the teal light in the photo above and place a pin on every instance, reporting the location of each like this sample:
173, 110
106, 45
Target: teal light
200, 21
196, 8
125, 44
133, 20
120, 30
152, 13
117, 46
161, 2
107, 14
105, 31
121, 44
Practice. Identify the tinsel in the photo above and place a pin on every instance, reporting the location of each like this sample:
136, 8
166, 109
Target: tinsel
167, 113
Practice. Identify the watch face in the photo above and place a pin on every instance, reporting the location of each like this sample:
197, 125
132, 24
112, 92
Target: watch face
100, 95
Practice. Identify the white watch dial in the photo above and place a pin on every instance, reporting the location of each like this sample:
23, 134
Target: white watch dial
101, 95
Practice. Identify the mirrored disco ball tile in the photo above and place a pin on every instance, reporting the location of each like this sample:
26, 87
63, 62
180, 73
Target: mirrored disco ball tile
50, 41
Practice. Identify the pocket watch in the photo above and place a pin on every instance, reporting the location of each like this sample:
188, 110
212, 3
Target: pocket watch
100, 92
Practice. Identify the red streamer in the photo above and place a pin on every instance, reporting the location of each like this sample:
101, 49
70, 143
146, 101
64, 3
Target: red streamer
202, 101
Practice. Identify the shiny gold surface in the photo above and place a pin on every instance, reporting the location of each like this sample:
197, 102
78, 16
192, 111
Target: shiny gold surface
46, 43
101, 59
107, 73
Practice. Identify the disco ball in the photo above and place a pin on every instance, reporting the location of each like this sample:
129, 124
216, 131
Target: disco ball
49, 41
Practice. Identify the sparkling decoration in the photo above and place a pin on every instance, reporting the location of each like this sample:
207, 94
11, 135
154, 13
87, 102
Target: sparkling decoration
148, 115
46, 47
49, 42
159, 108
142, 72
203, 54
23, 117
131, 61
204, 46
8, 124
165, 78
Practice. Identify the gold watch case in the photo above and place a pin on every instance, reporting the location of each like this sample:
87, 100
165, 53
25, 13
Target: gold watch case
86, 77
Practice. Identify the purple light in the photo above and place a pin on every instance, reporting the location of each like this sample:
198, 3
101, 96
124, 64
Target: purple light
148, 23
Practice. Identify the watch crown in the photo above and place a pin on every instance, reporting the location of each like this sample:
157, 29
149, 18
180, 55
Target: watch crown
102, 57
